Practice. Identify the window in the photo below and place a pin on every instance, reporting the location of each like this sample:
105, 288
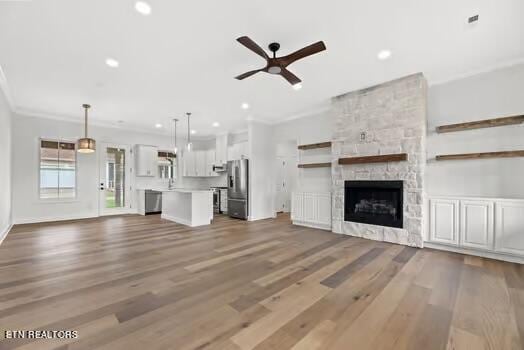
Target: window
57, 169
166, 165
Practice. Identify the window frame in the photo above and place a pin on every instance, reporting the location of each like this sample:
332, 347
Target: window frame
39, 160
174, 166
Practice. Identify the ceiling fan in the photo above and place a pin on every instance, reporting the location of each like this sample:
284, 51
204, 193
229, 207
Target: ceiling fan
278, 65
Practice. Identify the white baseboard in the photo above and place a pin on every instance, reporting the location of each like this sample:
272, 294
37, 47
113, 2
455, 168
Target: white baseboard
326, 227
51, 219
474, 252
4, 232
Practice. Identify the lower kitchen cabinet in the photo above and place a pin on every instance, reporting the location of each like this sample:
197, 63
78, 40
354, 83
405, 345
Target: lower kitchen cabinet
311, 209
480, 224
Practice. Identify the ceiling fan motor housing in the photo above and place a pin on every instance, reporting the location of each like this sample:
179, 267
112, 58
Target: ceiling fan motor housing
273, 47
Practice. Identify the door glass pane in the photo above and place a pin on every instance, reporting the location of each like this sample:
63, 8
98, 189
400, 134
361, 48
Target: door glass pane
115, 178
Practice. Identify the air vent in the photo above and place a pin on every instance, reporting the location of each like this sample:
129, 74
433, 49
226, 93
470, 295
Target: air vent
473, 19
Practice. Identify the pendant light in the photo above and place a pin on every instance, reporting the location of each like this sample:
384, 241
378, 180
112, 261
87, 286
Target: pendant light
189, 144
175, 146
85, 144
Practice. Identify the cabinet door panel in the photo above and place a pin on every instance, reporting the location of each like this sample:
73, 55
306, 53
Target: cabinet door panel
476, 224
509, 231
310, 207
444, 216
324, 209
297, 206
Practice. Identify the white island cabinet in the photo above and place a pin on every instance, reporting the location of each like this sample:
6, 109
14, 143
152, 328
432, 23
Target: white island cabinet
188, 207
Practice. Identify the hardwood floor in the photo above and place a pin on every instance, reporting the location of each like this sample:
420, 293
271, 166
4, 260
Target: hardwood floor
134, 282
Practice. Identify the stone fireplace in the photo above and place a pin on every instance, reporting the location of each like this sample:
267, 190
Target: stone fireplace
381, 200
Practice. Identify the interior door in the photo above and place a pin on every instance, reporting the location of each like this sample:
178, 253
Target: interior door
114, 179
283, 182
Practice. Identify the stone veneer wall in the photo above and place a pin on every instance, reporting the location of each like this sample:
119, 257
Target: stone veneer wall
393, 115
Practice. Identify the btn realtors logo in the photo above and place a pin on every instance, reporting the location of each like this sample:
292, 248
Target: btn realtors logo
40, 334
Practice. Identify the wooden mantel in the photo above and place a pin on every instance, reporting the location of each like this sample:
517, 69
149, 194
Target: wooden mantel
484, 155
486, 123
374, 159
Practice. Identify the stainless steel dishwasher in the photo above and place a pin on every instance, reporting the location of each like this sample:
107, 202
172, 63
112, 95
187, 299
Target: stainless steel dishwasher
153, 202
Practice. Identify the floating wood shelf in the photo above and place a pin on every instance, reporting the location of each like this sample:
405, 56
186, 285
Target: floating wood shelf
315, 165
503, 154
374, 159
315, 145
487, 123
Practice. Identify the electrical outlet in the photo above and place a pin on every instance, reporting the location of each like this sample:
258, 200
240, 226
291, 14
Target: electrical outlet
363, 136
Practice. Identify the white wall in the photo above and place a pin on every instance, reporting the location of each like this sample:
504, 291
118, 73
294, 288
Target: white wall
26, 132
494, 94
261, 171
318, 127
5, 165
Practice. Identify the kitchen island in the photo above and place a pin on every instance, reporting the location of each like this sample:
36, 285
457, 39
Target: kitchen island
188, 207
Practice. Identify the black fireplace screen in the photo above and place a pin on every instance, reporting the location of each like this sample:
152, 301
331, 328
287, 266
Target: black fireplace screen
374, 202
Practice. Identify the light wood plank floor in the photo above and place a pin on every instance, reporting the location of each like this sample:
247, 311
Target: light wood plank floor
133, 282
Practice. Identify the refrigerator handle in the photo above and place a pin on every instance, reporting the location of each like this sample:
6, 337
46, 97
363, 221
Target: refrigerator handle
230, 181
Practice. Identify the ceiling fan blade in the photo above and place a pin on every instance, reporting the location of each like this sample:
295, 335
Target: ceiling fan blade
304, 52
248, 74
250, 44
292, 78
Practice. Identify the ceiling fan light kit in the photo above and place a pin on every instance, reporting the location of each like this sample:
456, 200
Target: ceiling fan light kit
86, 144
278, 65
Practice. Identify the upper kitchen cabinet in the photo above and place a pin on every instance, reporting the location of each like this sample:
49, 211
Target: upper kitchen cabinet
199, 163
210, 162
146, 160
221, 150
238, 151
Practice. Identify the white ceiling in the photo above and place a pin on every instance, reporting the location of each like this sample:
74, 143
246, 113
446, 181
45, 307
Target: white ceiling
183, 57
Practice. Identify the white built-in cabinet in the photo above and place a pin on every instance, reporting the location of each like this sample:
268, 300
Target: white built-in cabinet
199, 163
491, 225
311, 209
146, 158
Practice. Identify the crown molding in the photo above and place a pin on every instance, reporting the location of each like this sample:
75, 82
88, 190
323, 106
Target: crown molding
492, 68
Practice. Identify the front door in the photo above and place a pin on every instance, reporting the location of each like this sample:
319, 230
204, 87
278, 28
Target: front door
114, 180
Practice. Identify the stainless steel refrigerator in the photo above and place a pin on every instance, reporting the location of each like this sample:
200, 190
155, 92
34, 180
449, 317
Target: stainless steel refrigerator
237, 188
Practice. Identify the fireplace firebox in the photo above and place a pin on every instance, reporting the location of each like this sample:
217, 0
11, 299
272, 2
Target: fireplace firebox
374, 202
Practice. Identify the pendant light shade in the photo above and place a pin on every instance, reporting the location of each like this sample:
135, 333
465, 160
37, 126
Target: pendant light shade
175, 146
189, 144
85, 144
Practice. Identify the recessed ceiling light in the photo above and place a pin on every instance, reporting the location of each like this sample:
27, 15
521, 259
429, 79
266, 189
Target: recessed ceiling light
384, 55
245, 105
111, 62
143, 7
158, 125
297, 86
193, 131
216, 124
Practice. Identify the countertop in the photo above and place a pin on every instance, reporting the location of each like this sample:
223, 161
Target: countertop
183, 190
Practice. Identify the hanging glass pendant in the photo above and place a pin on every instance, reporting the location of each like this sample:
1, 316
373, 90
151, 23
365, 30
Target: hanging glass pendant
86, 144
189, 144
175, 146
